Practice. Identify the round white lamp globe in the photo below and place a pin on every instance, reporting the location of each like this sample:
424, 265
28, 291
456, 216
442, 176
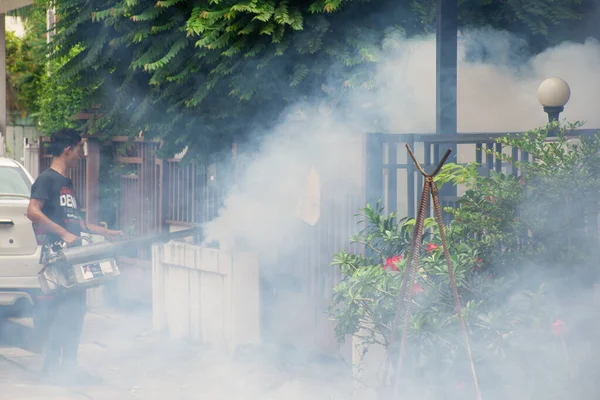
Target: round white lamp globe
554, 92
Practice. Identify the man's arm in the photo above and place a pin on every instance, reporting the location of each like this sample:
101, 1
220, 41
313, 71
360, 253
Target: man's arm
35, 214
100, 230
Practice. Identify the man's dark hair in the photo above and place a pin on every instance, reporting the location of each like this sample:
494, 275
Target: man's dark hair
62, 139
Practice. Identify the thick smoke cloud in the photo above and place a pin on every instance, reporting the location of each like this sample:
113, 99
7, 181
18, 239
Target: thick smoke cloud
496, 93
276, 197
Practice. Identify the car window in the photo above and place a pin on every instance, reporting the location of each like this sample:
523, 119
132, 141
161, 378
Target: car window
14, 181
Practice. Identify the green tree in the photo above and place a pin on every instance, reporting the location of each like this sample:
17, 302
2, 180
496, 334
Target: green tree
33, 91
201, 73
25, 64
59, 102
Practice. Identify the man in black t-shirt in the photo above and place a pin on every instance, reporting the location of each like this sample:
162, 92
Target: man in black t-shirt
54, 211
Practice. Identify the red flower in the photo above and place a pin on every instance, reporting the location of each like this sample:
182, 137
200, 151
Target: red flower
431, 247
391, 262
559, 328
417, 288
478, 262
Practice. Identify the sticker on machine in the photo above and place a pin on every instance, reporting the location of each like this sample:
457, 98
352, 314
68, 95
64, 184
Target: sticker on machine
91, 271
87, 272
106, 267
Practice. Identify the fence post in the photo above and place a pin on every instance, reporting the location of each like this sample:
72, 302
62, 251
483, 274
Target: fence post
374, 169
165, 177
92, 181
41, 152
31, 157
146, 177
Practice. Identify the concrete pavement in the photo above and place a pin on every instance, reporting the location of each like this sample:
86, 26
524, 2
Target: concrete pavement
20, 363
137, 364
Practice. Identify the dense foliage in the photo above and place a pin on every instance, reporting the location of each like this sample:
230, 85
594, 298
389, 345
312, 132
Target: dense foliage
201, 72
548, 213
33, 91
25, 65
524, 247
60, 102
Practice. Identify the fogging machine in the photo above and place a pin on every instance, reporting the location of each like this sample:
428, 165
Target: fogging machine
91, 264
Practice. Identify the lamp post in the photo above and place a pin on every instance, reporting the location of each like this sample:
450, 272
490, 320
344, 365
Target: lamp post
553, 94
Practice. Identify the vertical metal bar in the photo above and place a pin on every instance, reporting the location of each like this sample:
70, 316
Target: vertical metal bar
206, 194
427, 161
393, 176
193, 193
41, 156
446, 65
189, 190
515, 157
91, 183
373, 173
498, 165
410, 184
169, 189
446, 80
154, 188
165, 172
489, 158
173, 189
180, 177
478, 153
182, 194
374, 168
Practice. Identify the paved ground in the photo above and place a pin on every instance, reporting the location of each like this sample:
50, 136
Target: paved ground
135, 364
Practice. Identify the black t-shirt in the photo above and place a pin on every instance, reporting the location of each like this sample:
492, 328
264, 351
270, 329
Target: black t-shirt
60, 204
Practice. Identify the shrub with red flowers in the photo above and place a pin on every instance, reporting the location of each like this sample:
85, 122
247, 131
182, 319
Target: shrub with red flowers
524, 248
365, 300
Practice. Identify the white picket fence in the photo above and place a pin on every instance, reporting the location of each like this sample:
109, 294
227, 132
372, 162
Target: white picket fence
203, 294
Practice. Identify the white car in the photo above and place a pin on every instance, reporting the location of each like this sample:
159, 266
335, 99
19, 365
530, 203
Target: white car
20, 293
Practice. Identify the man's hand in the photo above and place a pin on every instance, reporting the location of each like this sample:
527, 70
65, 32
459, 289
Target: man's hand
113, 234
102, 231
35, 215
69, 238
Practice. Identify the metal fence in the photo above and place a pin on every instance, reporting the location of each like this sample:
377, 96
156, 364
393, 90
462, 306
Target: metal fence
156, 194
193, 192
140, 188
393, 179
